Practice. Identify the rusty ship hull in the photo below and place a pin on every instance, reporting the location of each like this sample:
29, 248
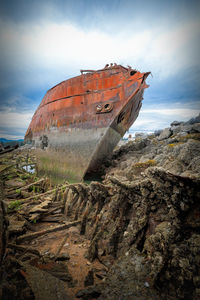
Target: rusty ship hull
81, 120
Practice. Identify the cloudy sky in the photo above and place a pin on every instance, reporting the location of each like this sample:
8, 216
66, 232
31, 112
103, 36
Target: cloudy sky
45, 42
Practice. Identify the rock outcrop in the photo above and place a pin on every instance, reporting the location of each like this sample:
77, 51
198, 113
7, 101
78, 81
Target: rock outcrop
150, 225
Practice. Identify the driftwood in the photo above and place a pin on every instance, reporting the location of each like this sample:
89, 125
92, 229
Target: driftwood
36, 216
50, 211
25, 187
23, 248
31, 184
50, 219
45, 218
5, 167
41, 195
30, 236
12, 197
7, 150
42, 210
42, 207
61, 245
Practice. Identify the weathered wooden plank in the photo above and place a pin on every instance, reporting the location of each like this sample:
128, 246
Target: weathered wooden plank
30, 236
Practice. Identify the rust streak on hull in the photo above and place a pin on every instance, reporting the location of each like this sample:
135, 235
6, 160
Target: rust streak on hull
80, 120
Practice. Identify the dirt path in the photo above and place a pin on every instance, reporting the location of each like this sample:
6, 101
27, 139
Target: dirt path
75, 247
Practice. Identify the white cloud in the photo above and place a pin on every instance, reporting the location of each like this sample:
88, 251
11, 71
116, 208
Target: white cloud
62, 47
153, 119
178, 112
15, 120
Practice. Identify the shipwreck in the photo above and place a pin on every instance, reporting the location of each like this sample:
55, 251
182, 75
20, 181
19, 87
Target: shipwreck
81, 120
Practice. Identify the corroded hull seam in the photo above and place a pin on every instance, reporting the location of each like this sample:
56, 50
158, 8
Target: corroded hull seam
81, 120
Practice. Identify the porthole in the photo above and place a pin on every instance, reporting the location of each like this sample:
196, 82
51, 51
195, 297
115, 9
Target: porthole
106, 106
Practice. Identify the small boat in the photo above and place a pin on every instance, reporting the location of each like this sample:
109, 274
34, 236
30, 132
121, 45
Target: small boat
80, 121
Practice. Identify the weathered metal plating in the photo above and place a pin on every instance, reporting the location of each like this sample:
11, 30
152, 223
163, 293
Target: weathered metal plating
95, 108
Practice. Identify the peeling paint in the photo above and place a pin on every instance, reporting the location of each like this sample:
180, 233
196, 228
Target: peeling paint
90, 103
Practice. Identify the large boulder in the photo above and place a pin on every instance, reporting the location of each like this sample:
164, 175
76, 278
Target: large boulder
196, 127
165, 134
185, 128
176, 123
189, 151
194, 120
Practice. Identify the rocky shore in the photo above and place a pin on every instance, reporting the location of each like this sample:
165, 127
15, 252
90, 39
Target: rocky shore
135, 235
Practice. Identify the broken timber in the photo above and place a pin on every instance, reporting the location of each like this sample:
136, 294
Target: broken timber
30, 236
